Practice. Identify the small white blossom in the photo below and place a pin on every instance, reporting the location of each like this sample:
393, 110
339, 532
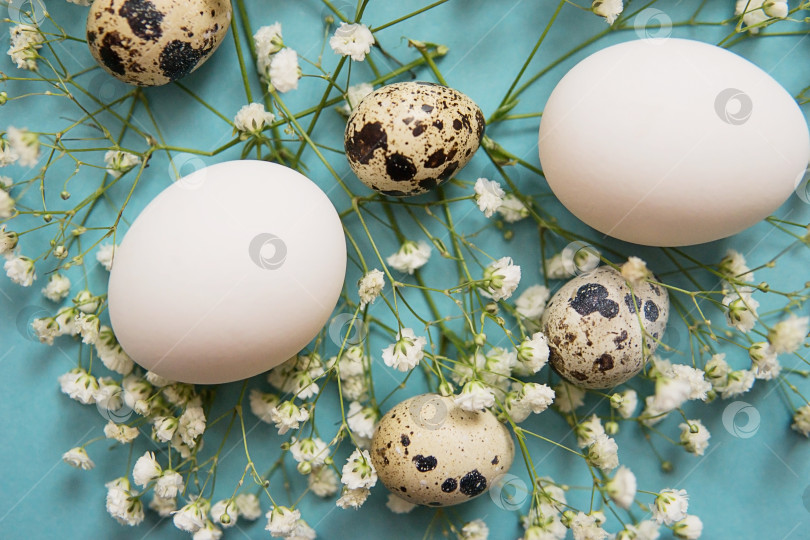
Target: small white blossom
310, 451
88, 327
57, 289
25, 41
79, 385
287, 416
361, 420
119, 162
248, 505
734, 268
20, 270
163, 507
586, 527
302, 531
8, 240
689, 528
609, 9
777, 9
644, 530
670, 506
568, 397
625, 402
764, 363
695, 443
105, 255
622, 487
398, 505
354, 95
475, 396
46, 329
191, 518
787, 335
262, 404
603, 453
406, 352
635, 271
352, 498
474, 530
110, 352
754, 14
120, 432
488, 196
109, 396
801, 420
358, 472
501, 279
538, 397
225, 513
353, 40
410, 257
252, 118
532, 354
512, 209
284, 71
739, 382
323, 481
122, 504
165, 428
208, 531
77, 457
281, 521
191, 425
146, 469
531, 304
370, 286
741, 311
6, 205
268, 39
169, 484
717, 370
588, 430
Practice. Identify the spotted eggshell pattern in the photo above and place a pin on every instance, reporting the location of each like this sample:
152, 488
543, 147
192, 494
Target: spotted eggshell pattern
428, 451
154, 42
406, 138
593, 330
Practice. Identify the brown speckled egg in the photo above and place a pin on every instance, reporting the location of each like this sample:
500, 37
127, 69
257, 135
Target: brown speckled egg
593, 329
154, 42
431, 452
406, 138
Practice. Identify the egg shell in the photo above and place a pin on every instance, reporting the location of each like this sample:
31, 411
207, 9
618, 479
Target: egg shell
431, 452
593, 329
154, 42
671, 142
406, 138
226, 273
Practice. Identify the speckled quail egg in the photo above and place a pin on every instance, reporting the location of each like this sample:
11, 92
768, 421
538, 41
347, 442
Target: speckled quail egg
431, 452
593, 328
406, 138
154, 42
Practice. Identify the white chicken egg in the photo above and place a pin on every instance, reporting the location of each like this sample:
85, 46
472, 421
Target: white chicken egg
227, 273
671, 142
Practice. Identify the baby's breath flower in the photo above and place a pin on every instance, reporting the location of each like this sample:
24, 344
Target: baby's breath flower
323, 481
287, 415
262, 404
353, 40
284, 71
25, 41
512, 209
370, 286
609, 9
281, 521
146, 469
735, 270
135, 389
756, 12
248, 506
302, 531
268, 40
475, 396
120, 432
738, 382
122, 504
109, 396
787, 335
105, 255
79, 385
225, 513
252, 118
6, 205
741, 312
568, 397
764, 362
209, 531
717, 370
169, 484
635, 271
531, 303
398, 505
670, 506
689, 528
801, 420
158, 381
58, 287
191, 518
694, 437
474, 530
77, 457
625, 402
191, 425
603, 453
698, 385
777, 9
46, 329
532, 354
501, 279
7, 153
119, 162
309, 453
354, 95
488, 196
358, 472
86, 302
622, 487
20, 270
8, 240
410, 257
587, 527
361, 420
163, 507
406, 353
352, 498
87, 327
588, 430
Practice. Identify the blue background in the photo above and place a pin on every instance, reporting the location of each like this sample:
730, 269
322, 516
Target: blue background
745, 487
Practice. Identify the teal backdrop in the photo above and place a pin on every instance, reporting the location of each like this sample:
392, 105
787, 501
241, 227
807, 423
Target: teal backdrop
750, 485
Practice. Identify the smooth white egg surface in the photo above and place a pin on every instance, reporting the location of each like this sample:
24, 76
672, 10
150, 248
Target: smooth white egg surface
228, 272
671, 142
